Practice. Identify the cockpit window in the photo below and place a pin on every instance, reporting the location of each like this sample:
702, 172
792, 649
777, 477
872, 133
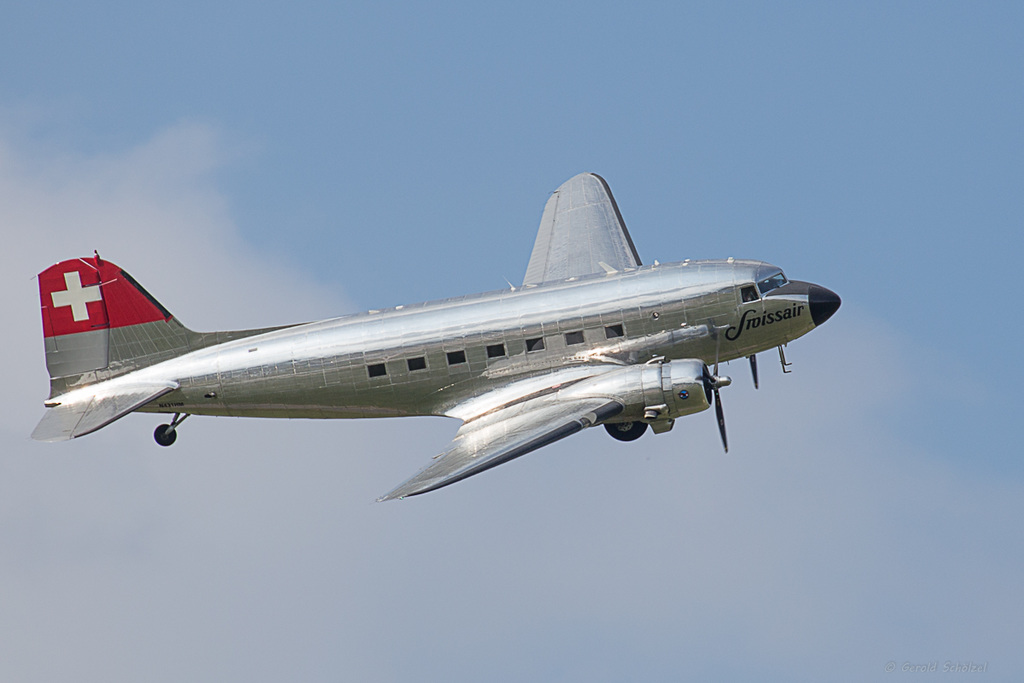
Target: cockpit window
769, 283
748, 294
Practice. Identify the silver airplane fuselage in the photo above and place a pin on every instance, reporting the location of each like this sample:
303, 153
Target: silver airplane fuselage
593, 337
427, 358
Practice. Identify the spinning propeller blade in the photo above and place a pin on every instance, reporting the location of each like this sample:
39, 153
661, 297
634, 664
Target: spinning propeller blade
712, 383
720, 414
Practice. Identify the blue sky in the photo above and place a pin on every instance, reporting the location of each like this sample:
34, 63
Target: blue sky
255, 166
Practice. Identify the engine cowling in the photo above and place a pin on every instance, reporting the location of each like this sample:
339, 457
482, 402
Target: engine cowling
683, 390
655, 392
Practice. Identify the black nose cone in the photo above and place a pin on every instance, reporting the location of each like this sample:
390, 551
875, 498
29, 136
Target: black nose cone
823, 303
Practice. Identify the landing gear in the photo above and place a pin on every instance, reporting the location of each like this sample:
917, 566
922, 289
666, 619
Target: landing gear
626, 431
166, 434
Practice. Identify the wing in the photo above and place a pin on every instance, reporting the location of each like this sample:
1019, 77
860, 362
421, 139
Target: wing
505, 434
95, 407
581, 232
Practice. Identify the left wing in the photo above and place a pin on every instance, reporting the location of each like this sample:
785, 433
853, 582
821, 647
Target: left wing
505, 433
581, 232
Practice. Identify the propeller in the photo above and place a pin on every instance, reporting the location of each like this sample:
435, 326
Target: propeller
753, 368
712, 383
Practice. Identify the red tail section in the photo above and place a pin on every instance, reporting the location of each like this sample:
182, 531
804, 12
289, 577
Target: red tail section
85, 304
99, 323
89, 294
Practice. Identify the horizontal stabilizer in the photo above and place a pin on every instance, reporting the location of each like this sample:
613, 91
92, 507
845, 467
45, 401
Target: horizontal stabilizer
95, 407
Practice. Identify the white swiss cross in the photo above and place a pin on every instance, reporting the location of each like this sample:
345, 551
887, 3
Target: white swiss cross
76, 296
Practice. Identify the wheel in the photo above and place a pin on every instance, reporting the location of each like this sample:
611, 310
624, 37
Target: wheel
626, 431
165, 435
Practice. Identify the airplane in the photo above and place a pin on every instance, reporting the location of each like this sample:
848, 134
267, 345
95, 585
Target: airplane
591, 337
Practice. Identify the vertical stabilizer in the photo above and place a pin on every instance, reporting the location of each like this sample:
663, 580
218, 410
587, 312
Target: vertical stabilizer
98, 322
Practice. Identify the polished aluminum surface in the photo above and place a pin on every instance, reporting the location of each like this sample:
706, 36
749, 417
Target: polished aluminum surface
581, 232
320, 369
591, 338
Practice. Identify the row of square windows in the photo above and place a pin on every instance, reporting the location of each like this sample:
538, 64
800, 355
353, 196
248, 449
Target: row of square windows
493, 351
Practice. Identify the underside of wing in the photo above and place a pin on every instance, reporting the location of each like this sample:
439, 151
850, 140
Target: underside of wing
581, 232
505, 434
93, 410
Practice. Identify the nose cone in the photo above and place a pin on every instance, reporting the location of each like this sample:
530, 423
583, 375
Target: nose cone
823, 303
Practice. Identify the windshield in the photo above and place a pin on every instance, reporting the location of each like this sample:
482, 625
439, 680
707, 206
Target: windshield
773, 282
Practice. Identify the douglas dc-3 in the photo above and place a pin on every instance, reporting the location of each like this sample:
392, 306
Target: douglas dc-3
591, 337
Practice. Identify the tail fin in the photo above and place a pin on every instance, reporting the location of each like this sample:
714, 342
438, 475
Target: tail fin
98, 323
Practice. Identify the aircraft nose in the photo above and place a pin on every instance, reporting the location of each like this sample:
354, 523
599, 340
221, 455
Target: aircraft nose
823, 303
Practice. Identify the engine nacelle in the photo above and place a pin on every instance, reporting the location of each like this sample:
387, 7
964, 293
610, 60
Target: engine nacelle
654, 392
682, 389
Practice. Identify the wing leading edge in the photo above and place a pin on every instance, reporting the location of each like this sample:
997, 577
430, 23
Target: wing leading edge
581, 232
506, 434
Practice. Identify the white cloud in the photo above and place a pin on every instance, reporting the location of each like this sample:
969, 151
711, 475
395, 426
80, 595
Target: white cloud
825, 544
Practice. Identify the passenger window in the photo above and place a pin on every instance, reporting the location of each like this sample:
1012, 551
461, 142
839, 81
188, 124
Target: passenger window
572, 338
417, 364
749, 294
613, 331
535, 344
456, 357
495, 350
376, 370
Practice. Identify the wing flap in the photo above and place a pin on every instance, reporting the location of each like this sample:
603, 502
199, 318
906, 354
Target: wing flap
505, 435
95, 409
581, 232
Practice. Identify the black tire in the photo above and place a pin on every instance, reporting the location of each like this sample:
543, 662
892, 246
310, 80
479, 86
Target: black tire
626, 431
165, 435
